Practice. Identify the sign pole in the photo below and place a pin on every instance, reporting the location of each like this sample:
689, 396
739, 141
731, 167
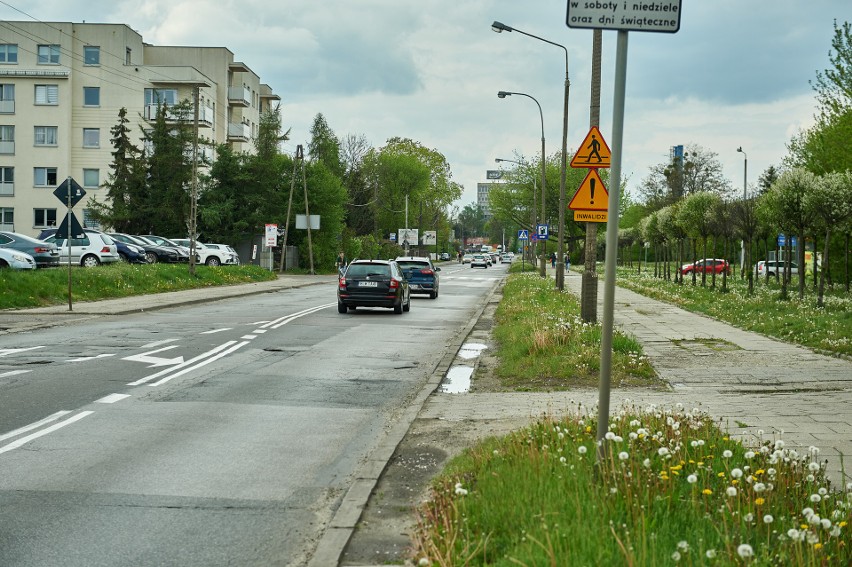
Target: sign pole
612, 237
68, 240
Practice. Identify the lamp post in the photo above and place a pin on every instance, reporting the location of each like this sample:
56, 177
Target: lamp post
535, 190
504, 94
499, 27
745, 196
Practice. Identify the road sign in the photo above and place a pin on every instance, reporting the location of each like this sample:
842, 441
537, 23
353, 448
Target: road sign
393, 237
658, 16
493, 174
593, 152
523, 235
591, 216
541, 230
592, 194
76, 230
429, 237
76, 192
782, 241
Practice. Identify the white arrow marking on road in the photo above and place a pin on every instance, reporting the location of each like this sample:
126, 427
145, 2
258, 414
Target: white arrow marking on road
155, 361
5, 351
158, 343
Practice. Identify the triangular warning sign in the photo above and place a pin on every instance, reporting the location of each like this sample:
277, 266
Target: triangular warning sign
593, 152
592, 194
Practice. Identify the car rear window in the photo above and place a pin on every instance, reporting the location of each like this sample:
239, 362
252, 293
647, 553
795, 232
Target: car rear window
415, 265
364, 270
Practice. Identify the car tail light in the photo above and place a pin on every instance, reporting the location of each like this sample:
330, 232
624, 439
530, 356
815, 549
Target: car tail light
342, 283
41, 249
394, 283
427, 272
105, 250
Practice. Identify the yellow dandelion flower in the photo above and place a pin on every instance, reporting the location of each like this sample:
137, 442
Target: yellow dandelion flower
759, 501
842, 524
676, 472
700, 463
707, 492
804, 526
588, 429
721, 474
817, 545
725, 438
759, 472
735, 481
691, 462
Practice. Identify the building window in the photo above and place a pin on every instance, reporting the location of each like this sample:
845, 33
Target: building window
91, 178
91, 96
8, 53
127, 52
47, 94
44, 177
160, 96
91, 55
48, 55
7, 140
7, 218
44, 218
7, 181
91, 137
46, 135
7, 99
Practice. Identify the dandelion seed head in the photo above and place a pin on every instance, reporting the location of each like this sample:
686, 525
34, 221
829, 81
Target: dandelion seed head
745, 551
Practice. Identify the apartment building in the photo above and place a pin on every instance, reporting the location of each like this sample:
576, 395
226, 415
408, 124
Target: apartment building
62, 86
482, 191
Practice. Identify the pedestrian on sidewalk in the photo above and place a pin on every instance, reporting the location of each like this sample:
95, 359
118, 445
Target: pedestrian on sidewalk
553, 259
567, 263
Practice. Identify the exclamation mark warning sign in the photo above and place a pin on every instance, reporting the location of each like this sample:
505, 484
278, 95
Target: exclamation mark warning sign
592, 194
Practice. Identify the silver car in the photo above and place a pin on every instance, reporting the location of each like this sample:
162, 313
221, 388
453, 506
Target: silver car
16, 260
95, 249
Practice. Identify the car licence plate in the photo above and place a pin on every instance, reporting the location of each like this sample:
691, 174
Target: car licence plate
414, 286
368, 284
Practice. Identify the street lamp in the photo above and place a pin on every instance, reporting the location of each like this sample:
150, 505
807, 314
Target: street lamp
500, 27
504, 94
745, 196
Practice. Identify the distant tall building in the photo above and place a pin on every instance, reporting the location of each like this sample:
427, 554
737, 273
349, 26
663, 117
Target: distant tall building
61, 87
482, 190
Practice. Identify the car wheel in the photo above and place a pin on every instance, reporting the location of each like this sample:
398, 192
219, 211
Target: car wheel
397, 308
123, 257
433, 294
341, 308
151, 257
213, 261
407, 305
90, 261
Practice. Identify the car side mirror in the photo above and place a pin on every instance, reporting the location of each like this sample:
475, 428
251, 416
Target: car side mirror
437, 269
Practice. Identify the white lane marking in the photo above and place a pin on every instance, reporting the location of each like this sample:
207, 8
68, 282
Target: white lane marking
14, 372
36, 425
112, 398
214, 331
51, 429
155, 361
202, 363
5, 351
85, 358
249, 337
280, 322
187, 363
259, 331
158, 343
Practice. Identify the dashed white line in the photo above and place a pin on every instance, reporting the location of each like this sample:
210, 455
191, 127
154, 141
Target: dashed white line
214, 331
51, 429
85, 358
14, 372
36, 425
158, 343
112, 398
249, 337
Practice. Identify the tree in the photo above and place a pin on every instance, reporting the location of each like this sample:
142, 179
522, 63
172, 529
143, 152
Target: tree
695, 215
125, 184
698, 171
269, 136
831, 201
325, 147
834, 85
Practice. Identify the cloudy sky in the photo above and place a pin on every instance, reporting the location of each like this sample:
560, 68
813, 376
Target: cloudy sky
736, 74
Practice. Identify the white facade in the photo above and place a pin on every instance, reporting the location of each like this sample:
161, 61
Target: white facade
482, 190
61, 88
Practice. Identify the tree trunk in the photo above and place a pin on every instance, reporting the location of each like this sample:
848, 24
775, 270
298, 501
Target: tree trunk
802, 269
822, 272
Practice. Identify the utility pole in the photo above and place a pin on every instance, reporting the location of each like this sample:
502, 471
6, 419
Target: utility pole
299, 155
589, 283
307, 216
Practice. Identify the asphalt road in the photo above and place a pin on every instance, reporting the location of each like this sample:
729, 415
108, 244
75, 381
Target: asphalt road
222, 433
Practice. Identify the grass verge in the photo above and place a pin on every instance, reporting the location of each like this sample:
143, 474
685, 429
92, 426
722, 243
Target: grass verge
39, 288
545, 346
671, 487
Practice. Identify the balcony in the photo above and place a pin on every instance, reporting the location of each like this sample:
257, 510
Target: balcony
205, 115
7, 189
7, 148
239, 96
7, 107
239, 132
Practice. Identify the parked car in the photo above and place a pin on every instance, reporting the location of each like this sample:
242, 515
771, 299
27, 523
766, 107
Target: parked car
373, 283
421, 274
16, 260
46, 254
708, 265
479, 260
775, 267
209, 255
235, 257
151, 251
182, 253
94, 249
130, 253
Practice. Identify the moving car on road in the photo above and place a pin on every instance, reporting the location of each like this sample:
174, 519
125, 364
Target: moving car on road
421, 274
479, 260
373, 283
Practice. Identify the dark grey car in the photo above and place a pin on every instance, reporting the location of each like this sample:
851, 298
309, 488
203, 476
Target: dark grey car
45, 254
373, 283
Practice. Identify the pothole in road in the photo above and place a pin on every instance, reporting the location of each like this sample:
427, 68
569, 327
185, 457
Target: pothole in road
471, 350
457, 380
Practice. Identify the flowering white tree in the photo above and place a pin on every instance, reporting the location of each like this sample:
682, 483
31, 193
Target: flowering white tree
830, 200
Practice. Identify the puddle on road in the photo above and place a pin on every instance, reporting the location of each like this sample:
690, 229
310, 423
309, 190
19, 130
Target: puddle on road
457, 380
471, 350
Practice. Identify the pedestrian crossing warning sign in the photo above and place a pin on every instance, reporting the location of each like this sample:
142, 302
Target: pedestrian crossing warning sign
593, 152
592, 194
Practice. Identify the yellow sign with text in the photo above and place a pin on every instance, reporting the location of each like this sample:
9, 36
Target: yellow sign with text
590, 216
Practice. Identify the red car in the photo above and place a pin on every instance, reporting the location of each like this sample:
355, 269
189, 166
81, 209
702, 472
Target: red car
708, 265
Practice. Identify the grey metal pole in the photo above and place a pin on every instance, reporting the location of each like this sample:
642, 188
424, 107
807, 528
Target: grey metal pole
560, 260
612, 236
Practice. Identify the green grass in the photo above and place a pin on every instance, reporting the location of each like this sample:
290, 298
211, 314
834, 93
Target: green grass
545, 346
39, 288
671, 487
827, 329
